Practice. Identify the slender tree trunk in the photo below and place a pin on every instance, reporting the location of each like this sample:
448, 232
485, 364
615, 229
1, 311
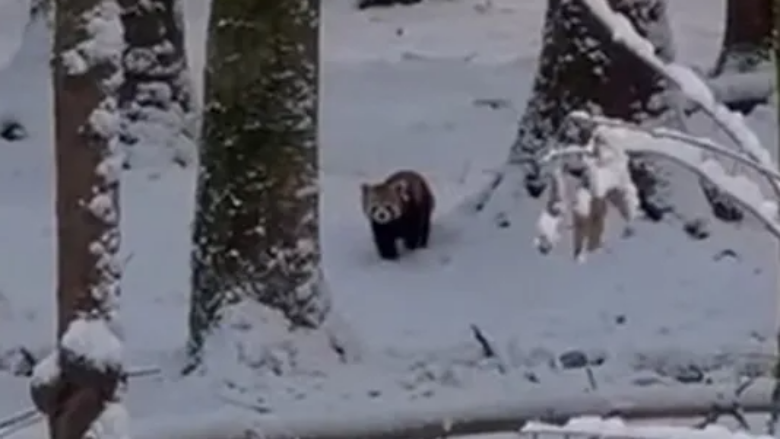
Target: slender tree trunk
78, 383
156, 96
256, 225
747, 37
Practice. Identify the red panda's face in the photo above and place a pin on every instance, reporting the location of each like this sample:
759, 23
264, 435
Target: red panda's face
381, 203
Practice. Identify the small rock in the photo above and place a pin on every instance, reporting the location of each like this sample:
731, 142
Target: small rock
12, 131
689, 374
646, 381
573, 360
725, 253
697, 229
620, 319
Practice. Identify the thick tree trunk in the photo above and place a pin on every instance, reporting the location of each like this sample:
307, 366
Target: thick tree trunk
747, 37
256, 225
78, 383
156, 96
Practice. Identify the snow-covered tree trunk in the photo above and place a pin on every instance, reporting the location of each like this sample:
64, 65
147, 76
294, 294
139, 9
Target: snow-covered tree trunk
256, 225
581, 68
78, 386
775, 34
747, 37
156, 97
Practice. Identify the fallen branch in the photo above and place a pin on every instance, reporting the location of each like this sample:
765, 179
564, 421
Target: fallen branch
488, 351
429, 420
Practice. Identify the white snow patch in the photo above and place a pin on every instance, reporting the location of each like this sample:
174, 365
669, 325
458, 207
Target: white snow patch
93, 340
113, 423
47, 369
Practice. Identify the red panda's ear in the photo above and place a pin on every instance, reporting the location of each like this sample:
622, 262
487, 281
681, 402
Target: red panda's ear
365, 187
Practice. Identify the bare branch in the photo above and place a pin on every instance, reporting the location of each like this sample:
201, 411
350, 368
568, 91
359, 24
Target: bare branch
698, 142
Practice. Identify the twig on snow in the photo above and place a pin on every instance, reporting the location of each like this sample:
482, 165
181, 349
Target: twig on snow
591, 378
487, 348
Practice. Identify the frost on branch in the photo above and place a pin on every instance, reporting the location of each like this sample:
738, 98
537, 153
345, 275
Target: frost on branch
606, 182
581, 68
606, 176
691, 85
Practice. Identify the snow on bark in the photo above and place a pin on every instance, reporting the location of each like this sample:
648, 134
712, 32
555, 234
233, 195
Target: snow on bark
93, 341
47, 370
156, 97
256, 229
682, 149
81, 393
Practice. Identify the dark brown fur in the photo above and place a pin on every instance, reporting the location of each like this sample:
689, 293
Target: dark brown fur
400, 207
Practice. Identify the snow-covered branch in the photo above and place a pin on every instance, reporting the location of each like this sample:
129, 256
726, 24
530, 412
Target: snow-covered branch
689, 83
616, 139
458, 417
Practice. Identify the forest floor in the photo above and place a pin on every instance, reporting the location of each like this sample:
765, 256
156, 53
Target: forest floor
399, 90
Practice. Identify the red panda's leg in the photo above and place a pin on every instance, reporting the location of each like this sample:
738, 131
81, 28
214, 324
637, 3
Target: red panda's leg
424, 230
385, 242
410, 231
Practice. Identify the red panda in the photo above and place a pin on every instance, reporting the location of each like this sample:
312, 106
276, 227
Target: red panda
400, 207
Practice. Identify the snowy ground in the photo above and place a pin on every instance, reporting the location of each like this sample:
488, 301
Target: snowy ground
398, 91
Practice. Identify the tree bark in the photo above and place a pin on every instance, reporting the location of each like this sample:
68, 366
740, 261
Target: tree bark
157, 89
747, 38
87, 214
256, 226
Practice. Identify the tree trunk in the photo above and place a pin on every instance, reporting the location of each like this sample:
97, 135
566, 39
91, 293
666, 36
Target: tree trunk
256, 224
747, 38
76, 384
156, 96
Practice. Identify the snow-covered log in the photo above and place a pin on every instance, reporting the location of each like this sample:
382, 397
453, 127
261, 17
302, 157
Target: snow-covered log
458, 417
